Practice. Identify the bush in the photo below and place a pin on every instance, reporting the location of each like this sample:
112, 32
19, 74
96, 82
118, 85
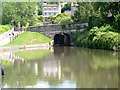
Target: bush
102, 38
63, 19
4, 28
99, 38
105, 40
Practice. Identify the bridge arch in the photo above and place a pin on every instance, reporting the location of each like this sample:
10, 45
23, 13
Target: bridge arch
62, 39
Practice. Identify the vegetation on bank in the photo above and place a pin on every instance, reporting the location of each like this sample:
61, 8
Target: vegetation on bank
4, 28
28, 38
99, 38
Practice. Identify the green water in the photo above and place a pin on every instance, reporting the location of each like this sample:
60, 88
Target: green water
64, 67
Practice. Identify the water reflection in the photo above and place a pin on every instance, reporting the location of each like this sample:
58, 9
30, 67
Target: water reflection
10, 57
1, 82
66, 67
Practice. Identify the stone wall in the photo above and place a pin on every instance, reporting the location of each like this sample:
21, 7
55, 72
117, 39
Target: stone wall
54, 27
45, 28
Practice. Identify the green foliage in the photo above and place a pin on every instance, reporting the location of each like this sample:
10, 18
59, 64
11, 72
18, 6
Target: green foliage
102, 38
63, 19
4, 28
95, 21
39, 8
63, 26
28, 38
40, 20
104, 7
20, 13
52, 19
99, 38
78, 37
100, 35
95, 13
66, 7
117, 23
85, 9
66, 20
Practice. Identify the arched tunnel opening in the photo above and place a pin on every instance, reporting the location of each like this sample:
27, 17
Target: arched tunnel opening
62, 39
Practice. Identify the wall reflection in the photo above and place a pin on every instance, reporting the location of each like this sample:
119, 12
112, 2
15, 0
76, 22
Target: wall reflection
10, 57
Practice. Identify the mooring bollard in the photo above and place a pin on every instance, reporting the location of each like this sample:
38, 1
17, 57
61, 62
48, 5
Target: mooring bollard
2, 69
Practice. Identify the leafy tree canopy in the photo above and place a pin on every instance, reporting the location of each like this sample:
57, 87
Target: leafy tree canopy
23, 13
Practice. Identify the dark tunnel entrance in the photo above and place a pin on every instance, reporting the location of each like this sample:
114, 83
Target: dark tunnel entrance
62, 39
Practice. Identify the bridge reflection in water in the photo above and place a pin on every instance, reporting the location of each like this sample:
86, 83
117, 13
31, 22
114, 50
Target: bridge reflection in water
66, 67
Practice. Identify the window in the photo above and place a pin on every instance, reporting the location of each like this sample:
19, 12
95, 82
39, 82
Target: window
54, 13
54, 8
45, 13
49, 8
45, 8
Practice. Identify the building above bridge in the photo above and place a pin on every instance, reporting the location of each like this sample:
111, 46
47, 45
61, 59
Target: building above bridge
50, 10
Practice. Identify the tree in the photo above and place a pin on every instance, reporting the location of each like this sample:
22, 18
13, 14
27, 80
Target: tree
63, 19
105, 7
66, 7
85, 9
20, 12
39, 9
102, 9
96, 13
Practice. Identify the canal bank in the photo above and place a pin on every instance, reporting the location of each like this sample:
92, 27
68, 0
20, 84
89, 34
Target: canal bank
45, 46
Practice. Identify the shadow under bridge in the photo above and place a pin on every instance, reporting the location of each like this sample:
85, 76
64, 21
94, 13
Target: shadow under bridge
62, 39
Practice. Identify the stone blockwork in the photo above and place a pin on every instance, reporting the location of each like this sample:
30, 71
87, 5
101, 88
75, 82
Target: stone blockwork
45, 28
55, 27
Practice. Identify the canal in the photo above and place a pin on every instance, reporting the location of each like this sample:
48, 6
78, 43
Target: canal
60, 67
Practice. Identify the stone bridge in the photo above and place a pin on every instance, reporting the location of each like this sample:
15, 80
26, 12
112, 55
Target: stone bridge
57, 33
50, 30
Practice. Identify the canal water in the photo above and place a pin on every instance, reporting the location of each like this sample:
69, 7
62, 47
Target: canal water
61, 67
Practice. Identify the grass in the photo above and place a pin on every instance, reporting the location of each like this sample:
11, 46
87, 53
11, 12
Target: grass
28, 38
32, 54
